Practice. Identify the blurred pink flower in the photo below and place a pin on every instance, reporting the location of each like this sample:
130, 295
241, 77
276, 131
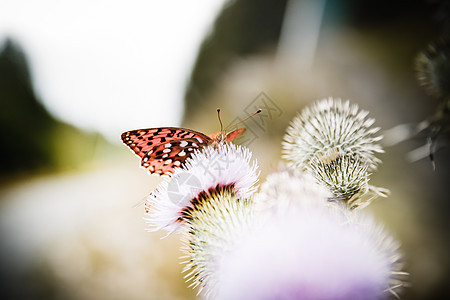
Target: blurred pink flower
308, 249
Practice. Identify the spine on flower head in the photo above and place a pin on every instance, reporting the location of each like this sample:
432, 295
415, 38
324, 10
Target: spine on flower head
336, 143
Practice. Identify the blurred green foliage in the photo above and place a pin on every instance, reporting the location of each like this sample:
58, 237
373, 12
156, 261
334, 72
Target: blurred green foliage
25, 125
30, 138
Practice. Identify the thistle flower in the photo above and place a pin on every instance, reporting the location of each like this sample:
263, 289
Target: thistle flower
209, 199
346, 174
308, 250
331, 124
433, 71
217, 220
283, 185
202, 175
336, 143
433, 68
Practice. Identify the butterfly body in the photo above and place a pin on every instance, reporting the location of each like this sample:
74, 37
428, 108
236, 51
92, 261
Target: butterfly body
165, 148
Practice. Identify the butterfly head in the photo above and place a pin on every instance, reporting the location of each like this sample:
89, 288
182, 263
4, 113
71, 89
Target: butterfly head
222, 136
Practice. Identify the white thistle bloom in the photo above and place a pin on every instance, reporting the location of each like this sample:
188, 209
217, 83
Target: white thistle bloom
336, 143
204, 172
331, 124
217, 224
307, 250
284, 185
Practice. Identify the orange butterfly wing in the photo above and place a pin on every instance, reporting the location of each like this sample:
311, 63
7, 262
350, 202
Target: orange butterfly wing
234, 134
163, 149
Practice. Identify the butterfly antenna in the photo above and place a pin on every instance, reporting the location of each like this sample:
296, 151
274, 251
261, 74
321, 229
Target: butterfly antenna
220, 121
253, 114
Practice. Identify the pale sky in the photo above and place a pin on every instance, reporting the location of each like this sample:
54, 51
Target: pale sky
106, 65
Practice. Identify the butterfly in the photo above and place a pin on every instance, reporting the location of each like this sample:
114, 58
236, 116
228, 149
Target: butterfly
163, 149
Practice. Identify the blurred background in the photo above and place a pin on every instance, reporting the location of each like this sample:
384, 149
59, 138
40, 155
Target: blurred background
75, 74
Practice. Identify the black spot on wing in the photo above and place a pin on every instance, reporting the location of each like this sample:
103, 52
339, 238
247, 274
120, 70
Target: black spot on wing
163, 158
